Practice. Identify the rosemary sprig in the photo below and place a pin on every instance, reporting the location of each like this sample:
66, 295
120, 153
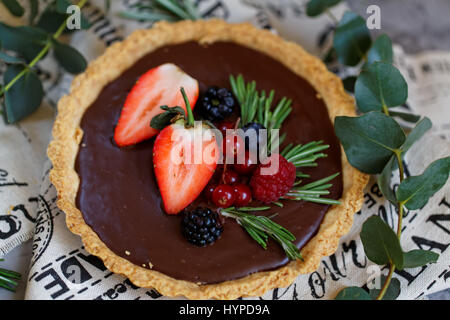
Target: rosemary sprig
260, 228
156, 10
313, 191
304, 155
257, 107
7, 278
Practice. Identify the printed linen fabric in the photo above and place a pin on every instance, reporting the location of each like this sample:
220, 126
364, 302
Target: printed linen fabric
62, 269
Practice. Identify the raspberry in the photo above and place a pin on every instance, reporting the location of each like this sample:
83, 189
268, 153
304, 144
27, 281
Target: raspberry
270, 187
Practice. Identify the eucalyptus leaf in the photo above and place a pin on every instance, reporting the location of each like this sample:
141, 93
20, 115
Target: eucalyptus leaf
14, 7
10, 59
61, 6
7, 58
52, 18
164, 119
353, 293
408, 117
26, 41
317, 7
381, 50
381, 244
25, 96
392, 291
351, 39
380, 86
69, 58
416, 133
419, 258
384, 181
415, 191
369, 141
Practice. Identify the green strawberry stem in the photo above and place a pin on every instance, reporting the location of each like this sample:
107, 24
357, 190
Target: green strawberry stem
190, 116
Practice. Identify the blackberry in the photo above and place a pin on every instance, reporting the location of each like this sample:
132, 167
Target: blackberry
201, 226
253, 126
216, 104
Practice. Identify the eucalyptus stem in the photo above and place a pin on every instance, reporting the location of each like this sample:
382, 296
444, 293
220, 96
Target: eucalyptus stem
385, 109
41, 54
398, 155
387, 282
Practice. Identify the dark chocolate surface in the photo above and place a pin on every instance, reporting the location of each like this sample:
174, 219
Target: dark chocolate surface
118, 194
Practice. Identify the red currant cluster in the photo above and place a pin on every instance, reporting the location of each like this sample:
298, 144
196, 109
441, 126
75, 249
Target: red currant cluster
232, 189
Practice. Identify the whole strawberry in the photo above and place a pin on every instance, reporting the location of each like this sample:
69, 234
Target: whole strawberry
271, 181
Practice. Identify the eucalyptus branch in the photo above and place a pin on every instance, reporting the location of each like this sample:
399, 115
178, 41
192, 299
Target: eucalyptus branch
375, 142
398, 156
41, 54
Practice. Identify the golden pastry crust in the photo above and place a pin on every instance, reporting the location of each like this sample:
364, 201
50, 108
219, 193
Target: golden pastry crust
67, 134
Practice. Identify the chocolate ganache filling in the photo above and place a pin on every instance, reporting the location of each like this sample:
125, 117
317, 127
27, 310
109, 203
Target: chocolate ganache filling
118, 193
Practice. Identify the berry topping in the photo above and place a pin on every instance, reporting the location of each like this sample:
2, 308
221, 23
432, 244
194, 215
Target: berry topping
233, 145
243, 195
224, 126
216, 104
271, 181
208, 191
247, 165
223, 196
252, 130
181, 176
201, 226
230, 177
159, 86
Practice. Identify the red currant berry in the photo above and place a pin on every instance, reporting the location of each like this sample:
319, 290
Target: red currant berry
248, 166
243, 195
223, 196
231, 177
233, 145
208, 191
224, 126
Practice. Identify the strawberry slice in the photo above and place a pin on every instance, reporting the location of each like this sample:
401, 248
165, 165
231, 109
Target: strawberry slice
183, 167
157, 87
185, 155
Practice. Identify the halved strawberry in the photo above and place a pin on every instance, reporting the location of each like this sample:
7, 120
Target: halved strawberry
183, 166
158, 87
185, 155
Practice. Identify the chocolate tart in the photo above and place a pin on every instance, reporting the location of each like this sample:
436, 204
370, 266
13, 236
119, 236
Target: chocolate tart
110, 196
